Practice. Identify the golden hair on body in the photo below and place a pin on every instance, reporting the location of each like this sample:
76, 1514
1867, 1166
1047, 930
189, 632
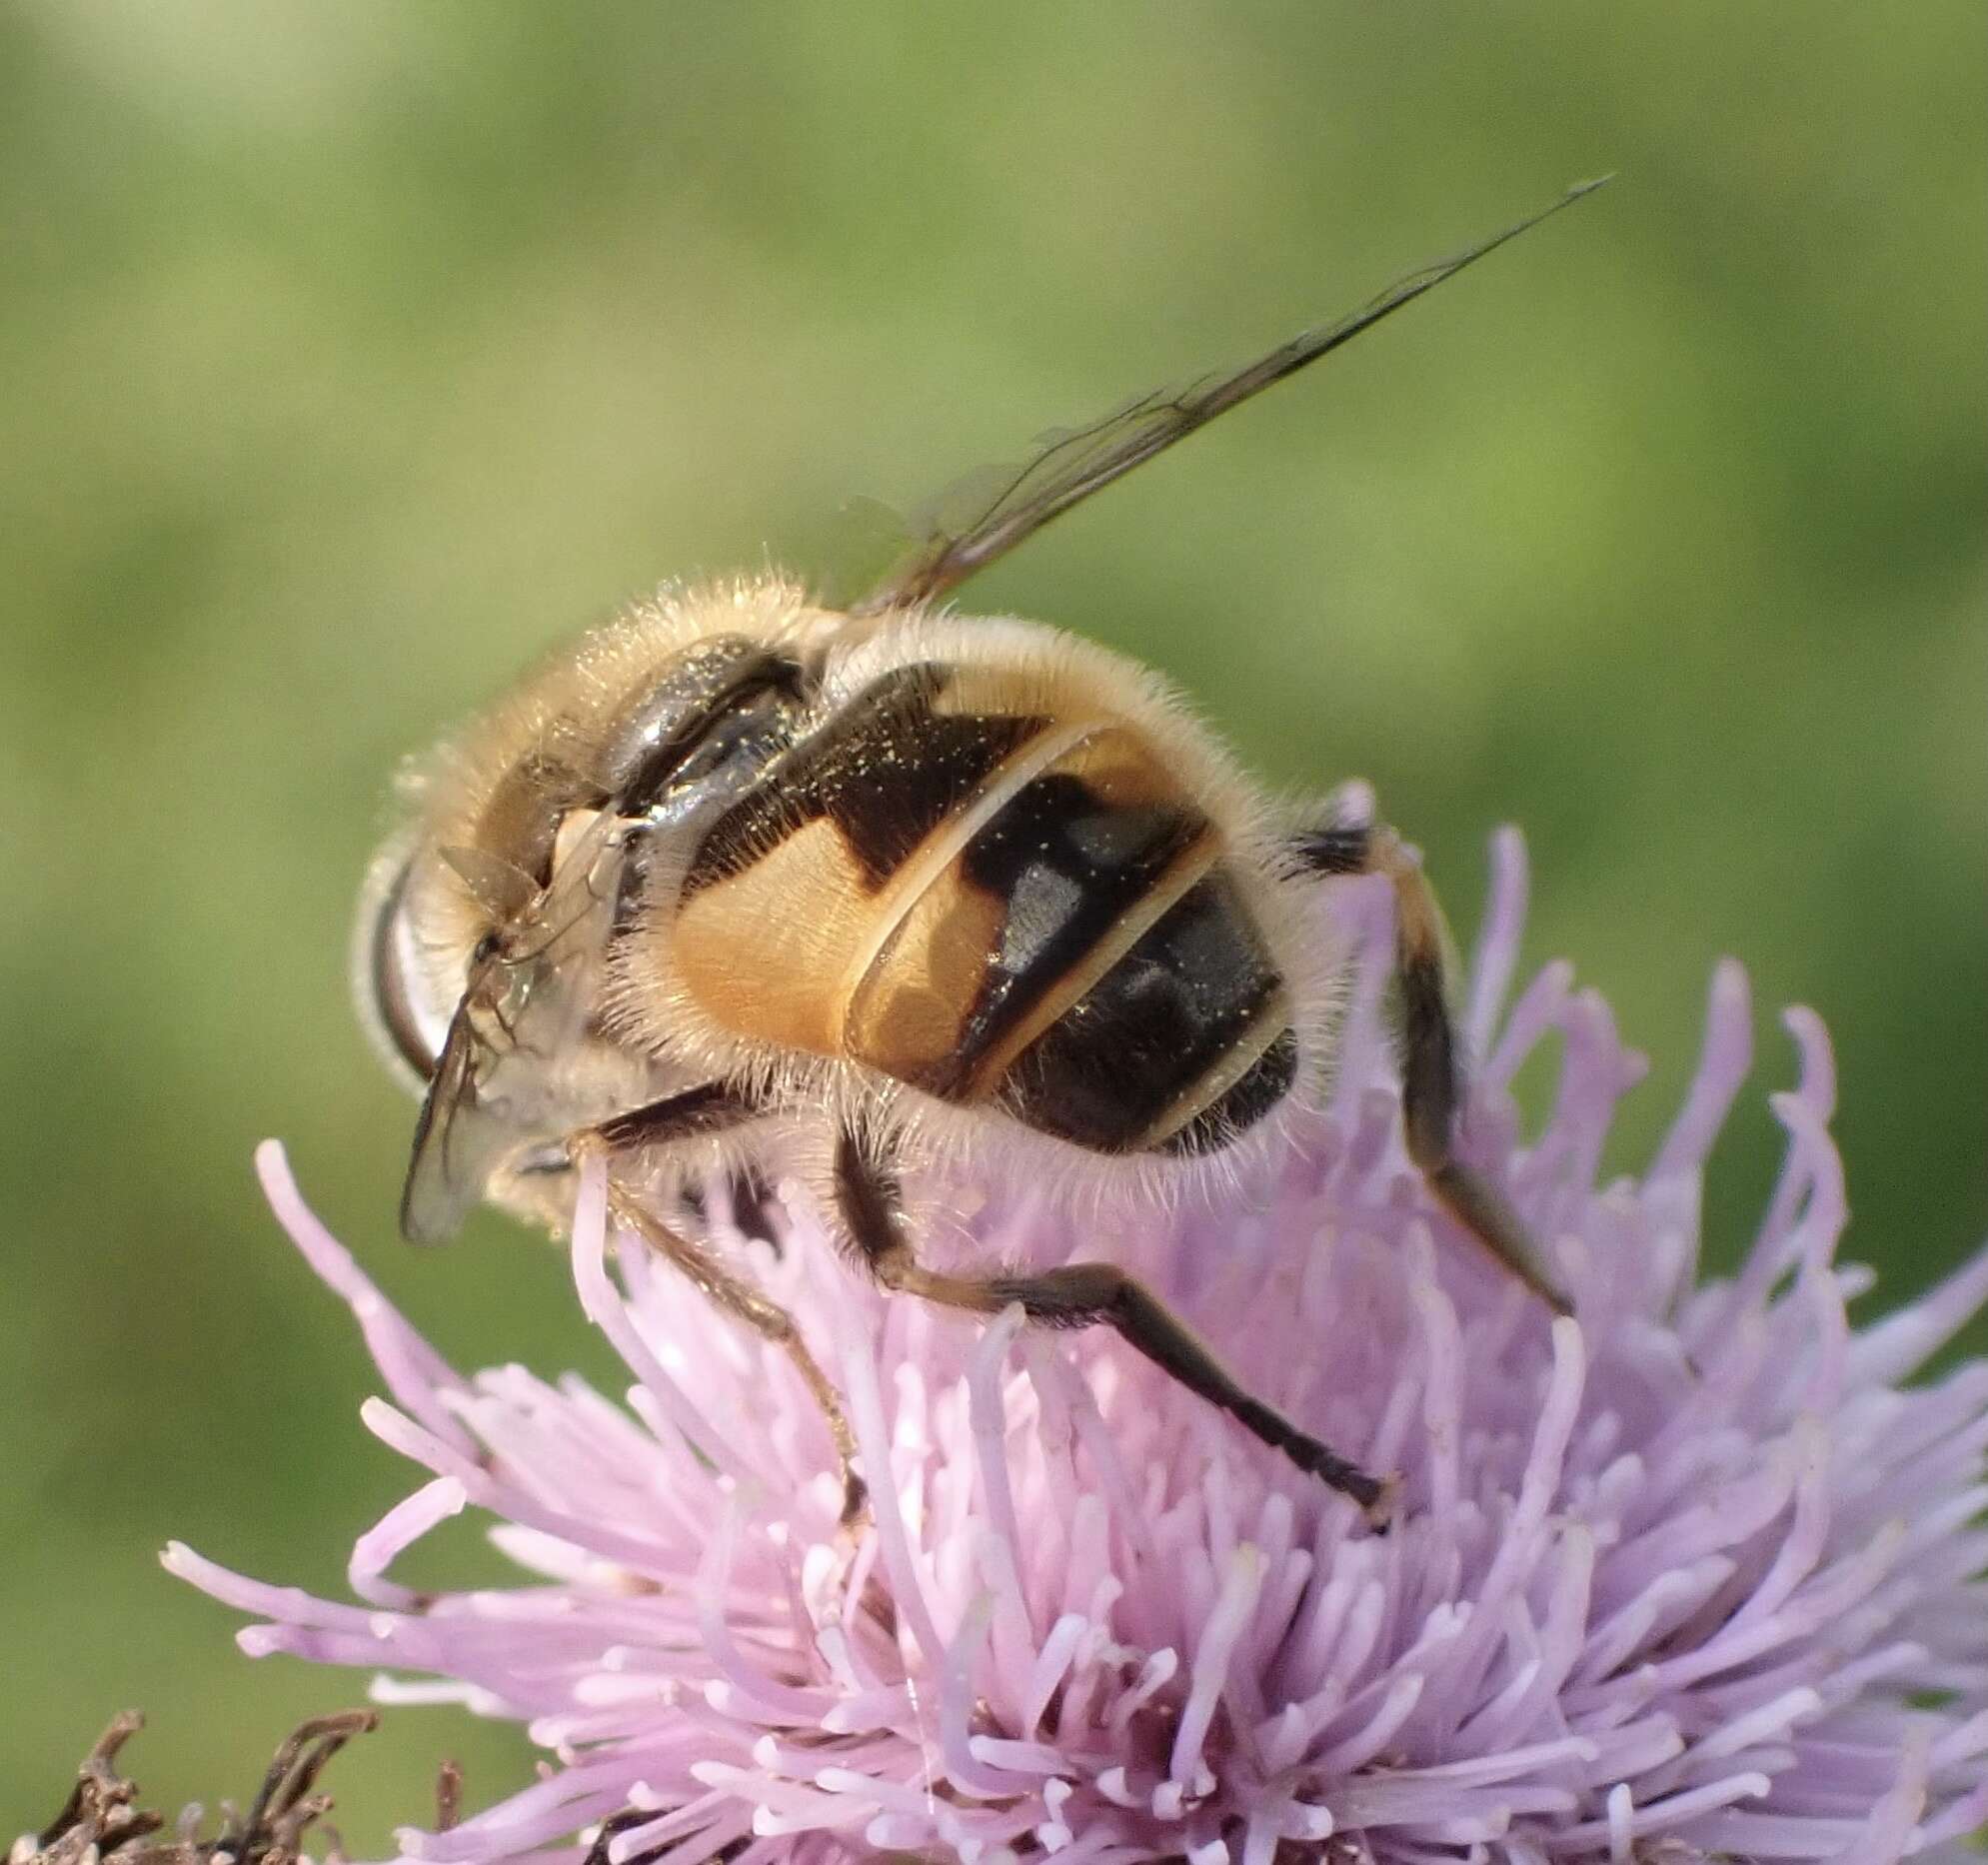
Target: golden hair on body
742, 882
807, 990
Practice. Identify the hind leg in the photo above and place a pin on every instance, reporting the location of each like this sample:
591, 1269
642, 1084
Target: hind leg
1431, 1069
1081, 1294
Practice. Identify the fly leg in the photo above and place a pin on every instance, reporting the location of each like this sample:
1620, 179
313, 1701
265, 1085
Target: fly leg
695, 1113
1431, 1069
1082, 1294
710, 1107
765, 1318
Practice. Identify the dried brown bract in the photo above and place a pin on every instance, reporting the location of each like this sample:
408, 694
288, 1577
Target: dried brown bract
101, 1820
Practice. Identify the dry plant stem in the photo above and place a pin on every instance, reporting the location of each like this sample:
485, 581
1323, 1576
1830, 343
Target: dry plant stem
101, 1820
448, 1795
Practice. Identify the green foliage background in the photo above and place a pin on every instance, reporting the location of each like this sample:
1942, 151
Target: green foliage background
353, 353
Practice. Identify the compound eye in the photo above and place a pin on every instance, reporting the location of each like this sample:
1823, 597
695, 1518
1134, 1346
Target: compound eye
385, 973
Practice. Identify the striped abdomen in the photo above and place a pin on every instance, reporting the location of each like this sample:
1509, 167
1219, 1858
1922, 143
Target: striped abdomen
999, 908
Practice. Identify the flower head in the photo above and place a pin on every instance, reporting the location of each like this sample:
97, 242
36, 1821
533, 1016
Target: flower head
1690, 1574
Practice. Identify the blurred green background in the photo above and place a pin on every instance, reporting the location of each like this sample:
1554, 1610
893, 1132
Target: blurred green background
353, 354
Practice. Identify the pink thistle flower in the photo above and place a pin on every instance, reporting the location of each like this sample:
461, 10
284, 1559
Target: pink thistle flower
1694, 1575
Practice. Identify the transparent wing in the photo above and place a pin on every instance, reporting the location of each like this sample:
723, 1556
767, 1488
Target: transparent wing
509, 1074
986, 515
457, 1143
849, 549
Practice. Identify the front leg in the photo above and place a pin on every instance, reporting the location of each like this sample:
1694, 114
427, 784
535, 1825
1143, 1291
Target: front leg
1431, 1068
1081, 1294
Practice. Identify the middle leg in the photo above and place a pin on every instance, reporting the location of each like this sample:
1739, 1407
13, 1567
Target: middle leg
1082, 1294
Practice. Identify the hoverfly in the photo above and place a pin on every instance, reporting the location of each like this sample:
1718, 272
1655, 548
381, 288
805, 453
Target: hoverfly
740, 876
